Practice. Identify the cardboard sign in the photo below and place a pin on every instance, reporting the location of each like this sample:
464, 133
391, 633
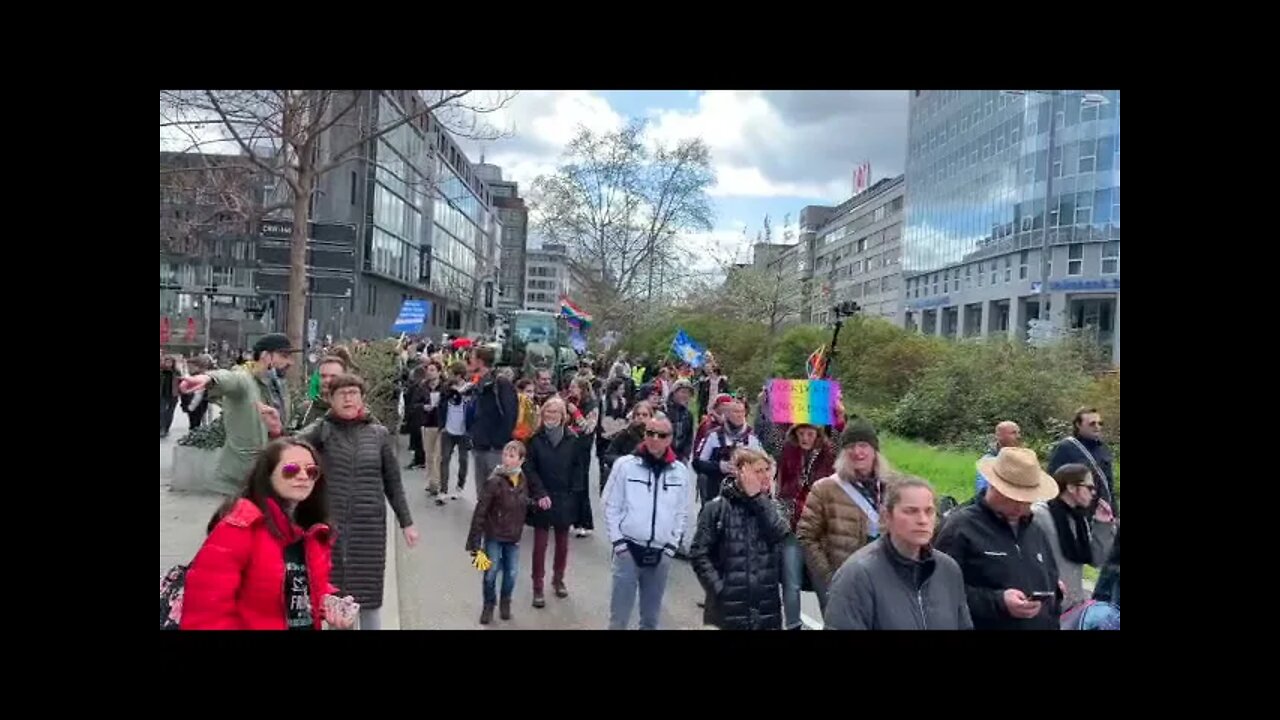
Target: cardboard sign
803, 401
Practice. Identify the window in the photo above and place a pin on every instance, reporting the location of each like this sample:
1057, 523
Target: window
870, 287
1111, 258
1075, 259
862, 245
857, 266
1008, 268
1088, 155
1084, 208
371, 300
353, 187
980, 274
995, 274
884, 284
1022, 265
935, 284
968, 277
878, 214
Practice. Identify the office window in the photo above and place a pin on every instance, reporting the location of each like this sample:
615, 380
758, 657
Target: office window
862, 244
878, 214
1111, 258
1088, 155
981, 274
995, 273
1075, 259
935, 284
1022, 265
1084, 208
1008, 268
968, 277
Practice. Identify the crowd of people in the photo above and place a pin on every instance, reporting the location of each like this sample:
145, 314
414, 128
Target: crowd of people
762, 511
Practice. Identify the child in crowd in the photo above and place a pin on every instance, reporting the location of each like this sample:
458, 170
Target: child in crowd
499, 520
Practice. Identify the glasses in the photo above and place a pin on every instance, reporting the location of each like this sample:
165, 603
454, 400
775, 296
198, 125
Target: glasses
291, 470
347, 393
657, 434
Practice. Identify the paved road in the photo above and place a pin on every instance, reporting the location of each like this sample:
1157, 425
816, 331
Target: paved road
439, 590
183, 516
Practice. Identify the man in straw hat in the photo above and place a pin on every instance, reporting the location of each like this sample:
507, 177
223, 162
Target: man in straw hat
1010, 578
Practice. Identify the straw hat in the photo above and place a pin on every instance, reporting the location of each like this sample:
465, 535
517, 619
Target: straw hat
1016, 474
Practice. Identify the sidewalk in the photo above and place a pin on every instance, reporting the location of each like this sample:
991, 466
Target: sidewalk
184, 517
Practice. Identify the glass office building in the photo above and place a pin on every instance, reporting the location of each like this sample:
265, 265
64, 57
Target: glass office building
986, 174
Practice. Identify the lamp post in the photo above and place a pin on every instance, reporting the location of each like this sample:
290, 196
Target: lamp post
1087, 100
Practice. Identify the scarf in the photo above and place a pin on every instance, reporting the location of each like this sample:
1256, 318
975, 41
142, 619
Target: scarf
1074, 534
554, 434
806, 472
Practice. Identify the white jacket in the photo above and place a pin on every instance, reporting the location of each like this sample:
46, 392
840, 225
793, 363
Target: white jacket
646, 509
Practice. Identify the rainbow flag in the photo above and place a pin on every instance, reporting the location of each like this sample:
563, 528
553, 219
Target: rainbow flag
574, 314
803, 401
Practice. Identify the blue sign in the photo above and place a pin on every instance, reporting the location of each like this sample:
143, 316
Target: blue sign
1078, 285
412, 317
931, 303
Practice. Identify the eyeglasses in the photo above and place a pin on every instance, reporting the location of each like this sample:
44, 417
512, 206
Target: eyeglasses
657, 434
290, 471
1090, 488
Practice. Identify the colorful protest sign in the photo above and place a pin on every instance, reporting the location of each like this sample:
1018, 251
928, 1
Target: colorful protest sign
803, 401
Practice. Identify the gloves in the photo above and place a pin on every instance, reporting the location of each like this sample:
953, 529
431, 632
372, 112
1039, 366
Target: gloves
481, 561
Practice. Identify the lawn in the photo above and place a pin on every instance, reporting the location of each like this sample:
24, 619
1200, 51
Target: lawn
950, 473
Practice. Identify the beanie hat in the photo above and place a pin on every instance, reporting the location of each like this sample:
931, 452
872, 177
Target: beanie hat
859, 430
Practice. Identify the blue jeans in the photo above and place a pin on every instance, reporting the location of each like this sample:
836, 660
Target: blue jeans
506, 559
792, 579
627, 578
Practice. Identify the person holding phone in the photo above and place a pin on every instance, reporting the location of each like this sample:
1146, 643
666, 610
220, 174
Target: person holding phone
266, 562
1010, 575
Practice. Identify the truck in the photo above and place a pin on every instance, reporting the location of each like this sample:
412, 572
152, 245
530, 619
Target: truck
536, 340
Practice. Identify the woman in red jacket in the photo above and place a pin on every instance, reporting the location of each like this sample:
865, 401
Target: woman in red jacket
265, 565
807, 457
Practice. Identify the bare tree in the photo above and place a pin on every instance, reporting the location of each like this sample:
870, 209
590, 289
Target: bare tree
295, 137
619, 205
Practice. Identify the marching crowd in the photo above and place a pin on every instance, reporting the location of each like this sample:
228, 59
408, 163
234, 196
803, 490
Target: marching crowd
762, 511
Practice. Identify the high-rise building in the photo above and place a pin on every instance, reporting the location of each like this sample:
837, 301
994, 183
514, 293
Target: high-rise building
547, 278
423, 218
514, 217
993, 178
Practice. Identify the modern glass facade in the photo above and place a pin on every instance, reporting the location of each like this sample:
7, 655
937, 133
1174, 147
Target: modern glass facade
459, 221
399, 198
978, 163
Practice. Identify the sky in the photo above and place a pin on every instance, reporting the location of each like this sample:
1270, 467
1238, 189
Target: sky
772, 151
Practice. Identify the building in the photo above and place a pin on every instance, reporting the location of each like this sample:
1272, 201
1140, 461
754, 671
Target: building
423, 218
847, 252
208, 295
856, 252
982, 167
547, 278
513, 215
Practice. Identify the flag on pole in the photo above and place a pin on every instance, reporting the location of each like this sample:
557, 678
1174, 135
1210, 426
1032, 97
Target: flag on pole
576, 316
687, 350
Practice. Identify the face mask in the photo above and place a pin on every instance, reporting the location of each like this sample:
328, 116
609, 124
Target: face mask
281, 373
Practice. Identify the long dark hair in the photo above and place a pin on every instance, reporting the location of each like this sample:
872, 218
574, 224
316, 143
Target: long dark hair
258, 489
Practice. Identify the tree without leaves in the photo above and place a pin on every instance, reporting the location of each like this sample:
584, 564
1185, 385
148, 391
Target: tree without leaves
618, 206
297, 136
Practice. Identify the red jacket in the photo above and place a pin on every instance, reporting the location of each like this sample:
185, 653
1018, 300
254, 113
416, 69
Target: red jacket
236, 581
792, 467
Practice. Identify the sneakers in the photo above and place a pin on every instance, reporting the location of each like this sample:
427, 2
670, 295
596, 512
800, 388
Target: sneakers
539, 601
486, 615
582, 532
504, 608
561, 591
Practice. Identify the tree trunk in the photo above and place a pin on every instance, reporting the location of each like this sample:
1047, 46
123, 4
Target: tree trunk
297, 317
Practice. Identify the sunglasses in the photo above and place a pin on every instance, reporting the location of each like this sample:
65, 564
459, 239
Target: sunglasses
291, 470
1096, 424
657, 434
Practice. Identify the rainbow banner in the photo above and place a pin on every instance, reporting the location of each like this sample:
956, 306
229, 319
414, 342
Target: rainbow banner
576, 316
803, 401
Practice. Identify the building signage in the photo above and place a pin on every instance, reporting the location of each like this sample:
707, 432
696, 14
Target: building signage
931, 303
1084, 285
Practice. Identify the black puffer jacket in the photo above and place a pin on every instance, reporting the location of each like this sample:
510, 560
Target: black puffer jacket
551, 470
736, 558
362, 474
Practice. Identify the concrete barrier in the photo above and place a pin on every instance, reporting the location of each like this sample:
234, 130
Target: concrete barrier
192, 469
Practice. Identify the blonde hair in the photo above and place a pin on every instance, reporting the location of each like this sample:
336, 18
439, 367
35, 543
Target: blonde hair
556, 402
648, 406
515, 445
744, 456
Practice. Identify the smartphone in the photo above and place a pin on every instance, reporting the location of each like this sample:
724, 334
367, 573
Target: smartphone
1039, 596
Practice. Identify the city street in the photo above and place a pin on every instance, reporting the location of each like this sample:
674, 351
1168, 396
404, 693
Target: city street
437, 587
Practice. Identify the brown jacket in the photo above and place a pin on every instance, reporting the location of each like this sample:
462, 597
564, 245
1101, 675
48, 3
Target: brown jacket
500, 510
832, 527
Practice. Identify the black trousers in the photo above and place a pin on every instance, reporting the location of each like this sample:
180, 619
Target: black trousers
167, 406
415, 444
197, 416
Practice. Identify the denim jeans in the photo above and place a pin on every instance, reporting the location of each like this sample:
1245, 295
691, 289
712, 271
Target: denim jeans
506, 560
627, 578
792, 578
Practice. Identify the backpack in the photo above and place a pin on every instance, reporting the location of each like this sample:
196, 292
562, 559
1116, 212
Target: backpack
1091, 615
171, 587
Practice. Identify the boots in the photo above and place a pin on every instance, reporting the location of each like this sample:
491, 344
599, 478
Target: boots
504, 608
486, 615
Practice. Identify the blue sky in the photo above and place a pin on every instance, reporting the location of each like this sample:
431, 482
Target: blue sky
773, 151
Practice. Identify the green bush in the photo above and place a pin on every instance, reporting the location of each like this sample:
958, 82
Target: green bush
378, 364
208, 437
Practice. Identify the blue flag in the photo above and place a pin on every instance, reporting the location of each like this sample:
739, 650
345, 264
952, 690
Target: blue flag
577, 341
687, 350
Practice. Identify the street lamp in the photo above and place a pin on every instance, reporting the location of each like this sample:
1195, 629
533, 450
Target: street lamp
1087, 100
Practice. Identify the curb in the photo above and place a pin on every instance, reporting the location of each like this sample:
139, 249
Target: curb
390, 586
